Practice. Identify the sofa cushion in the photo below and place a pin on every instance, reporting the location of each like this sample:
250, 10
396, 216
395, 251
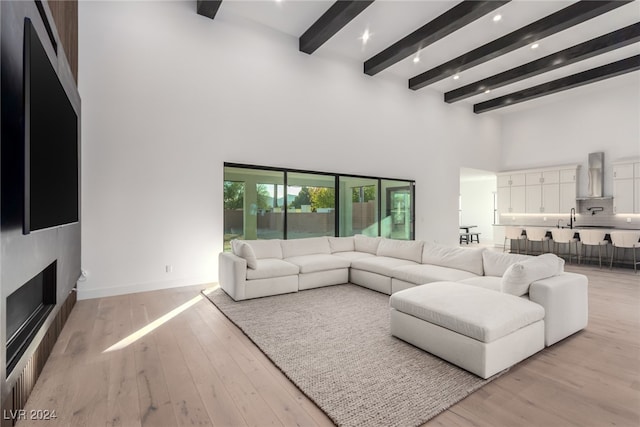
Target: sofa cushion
518, 277
496, 263
244, 250
353, 255
341, 244
380, 264
308, 246
366, 244
466, 259
468, 310
271, 267
427, 273
404, 249
493, 283
265, 248
318, 262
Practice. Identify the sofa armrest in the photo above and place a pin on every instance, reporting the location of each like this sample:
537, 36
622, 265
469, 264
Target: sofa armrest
566, 304
232, 274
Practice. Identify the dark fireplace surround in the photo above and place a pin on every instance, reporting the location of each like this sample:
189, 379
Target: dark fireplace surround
27, 309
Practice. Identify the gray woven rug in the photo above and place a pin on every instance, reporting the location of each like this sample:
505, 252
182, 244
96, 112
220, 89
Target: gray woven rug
334, 344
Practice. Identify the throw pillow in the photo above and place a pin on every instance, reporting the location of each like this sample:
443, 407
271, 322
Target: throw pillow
244, 250
520, 275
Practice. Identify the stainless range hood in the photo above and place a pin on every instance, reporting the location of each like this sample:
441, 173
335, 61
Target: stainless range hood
595, 174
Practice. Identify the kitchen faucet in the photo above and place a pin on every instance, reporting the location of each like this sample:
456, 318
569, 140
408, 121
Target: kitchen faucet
572, 217
558, 224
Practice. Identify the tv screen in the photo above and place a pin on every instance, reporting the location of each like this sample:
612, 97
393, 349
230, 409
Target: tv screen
51, 142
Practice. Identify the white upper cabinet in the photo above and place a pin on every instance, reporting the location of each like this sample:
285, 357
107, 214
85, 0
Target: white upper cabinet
623, 171
550, 190
542, 192
511, 193
626, 187
568, 175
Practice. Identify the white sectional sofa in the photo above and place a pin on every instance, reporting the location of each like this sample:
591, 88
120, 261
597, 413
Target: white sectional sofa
269, 267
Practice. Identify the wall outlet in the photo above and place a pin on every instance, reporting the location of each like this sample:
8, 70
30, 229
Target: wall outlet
544, 218
168, 268
628, 219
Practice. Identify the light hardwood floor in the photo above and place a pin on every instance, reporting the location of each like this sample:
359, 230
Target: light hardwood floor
197, 368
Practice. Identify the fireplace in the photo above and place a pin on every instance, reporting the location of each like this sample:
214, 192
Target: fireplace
27, 309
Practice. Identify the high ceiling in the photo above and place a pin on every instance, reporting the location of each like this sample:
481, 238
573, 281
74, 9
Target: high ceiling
464, 32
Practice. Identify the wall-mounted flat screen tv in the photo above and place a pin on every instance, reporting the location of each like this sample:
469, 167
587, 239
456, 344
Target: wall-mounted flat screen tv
51, 142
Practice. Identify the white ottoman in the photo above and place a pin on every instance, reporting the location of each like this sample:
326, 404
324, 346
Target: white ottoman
480, 330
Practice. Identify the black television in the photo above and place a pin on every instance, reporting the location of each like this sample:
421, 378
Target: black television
51, 183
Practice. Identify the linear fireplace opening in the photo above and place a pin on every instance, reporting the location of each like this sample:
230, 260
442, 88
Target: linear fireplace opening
27, 309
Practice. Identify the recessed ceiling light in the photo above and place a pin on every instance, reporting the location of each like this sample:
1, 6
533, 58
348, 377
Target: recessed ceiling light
487, 91
535, 46
456, 77
416, 59
365, 36
497, 18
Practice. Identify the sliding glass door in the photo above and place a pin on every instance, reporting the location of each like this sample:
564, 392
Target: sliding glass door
312, 208
358, 206
272, 203
254, 202
397, 205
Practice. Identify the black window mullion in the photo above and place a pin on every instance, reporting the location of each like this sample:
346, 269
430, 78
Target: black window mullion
285, 199
336, 211
379, 207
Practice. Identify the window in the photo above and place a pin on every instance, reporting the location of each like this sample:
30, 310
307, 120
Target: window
312, 210
358, 206
271, 203
397, 208
254, 204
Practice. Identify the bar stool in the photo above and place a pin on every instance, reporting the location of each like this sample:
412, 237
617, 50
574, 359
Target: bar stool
625, 240
564, 236
536, 234
513, 233
593, 238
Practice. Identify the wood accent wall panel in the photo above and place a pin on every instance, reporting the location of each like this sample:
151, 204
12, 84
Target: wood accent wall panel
17, 399
65, 15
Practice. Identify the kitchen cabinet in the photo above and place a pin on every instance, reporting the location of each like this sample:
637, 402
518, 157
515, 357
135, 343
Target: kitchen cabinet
511, 192
623, 195
542, 191
626, 187
568, 189
549, 190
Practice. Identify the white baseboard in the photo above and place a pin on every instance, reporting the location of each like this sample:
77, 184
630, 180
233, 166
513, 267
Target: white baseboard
84, 293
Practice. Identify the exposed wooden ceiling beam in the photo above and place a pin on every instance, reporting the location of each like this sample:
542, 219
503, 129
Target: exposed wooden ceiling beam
332, 21
208, 8
580, 79
561, 20
603, 44
452, 20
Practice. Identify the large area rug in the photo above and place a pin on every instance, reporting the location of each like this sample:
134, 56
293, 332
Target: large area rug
334, 344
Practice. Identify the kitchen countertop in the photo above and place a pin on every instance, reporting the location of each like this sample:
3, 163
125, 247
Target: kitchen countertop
579, 227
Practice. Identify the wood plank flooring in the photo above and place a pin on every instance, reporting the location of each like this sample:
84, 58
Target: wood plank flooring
197, 368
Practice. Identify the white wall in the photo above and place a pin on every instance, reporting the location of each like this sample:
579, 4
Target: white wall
476, 196
566, 127
168, 96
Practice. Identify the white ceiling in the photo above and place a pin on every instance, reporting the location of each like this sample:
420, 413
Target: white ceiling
390, 20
